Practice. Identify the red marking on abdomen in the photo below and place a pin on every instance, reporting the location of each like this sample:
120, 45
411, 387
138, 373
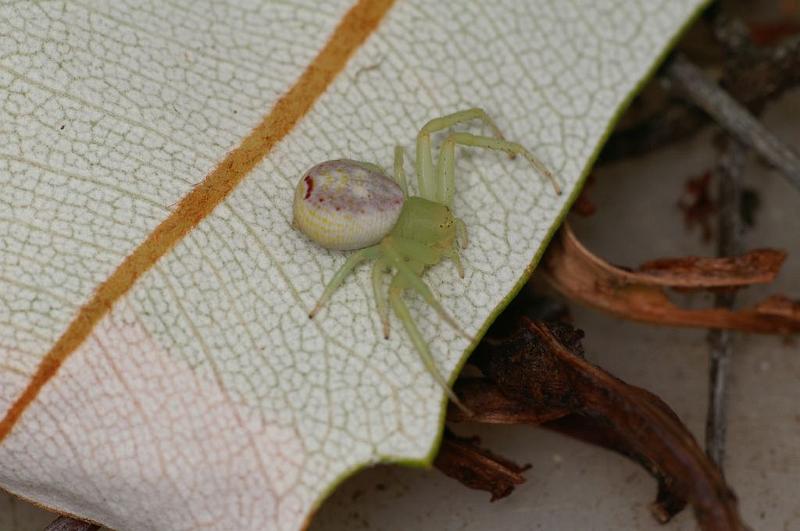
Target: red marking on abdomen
310, 183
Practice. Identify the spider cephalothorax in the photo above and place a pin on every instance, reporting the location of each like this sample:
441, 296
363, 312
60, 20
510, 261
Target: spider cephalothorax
347, 204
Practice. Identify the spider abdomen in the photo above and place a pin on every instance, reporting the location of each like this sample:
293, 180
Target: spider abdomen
346, 204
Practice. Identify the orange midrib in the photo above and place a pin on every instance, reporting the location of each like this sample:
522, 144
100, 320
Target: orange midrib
359, 22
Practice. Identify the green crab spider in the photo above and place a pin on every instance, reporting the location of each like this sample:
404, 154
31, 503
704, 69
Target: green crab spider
346, 205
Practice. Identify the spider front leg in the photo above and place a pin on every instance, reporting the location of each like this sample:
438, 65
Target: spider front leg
346, 269
462, 240
425, 172
395, 250
461, 233
379, 272
456, 258
395, 298
399, 173
445, 169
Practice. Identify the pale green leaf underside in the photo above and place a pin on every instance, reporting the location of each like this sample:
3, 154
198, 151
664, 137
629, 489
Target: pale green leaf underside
206, 397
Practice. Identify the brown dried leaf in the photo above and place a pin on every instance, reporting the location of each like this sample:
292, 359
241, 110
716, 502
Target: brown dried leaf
770, 34
754, 267
668, 502
780, 306
543, 366
581, 276
490, 406
583, 206
478, 468
65, 523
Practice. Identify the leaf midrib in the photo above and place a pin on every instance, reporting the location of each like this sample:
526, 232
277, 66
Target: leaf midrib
352, 31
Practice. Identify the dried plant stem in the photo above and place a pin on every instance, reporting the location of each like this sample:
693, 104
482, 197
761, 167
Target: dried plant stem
542, 366
729, 171
65, 523
716, 418
464, 460
733, 117
752, 75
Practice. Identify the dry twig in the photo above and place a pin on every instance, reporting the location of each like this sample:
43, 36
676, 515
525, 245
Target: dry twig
737, 120
752, 75
729, 169
541, 367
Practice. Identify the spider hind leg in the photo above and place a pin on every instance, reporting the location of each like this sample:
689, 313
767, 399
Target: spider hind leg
391, 250
400, 308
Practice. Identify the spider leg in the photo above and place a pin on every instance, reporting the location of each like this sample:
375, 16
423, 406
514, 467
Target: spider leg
456, 258
462, 241
461, 233
412, 280
446, 174
447, 182
400, 308
378, 274
338, 278
425, 171
399, 173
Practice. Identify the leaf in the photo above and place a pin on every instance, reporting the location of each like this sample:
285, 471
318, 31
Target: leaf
542, 366
640, 295
158, 368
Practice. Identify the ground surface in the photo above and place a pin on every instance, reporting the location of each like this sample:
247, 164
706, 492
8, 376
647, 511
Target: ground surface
574, 486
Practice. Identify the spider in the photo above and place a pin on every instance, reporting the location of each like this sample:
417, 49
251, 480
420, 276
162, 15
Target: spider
347, 204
